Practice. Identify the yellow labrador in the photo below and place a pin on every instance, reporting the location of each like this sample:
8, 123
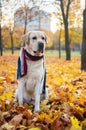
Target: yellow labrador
31, 69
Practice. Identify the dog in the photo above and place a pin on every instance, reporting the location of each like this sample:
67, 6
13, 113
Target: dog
31, 73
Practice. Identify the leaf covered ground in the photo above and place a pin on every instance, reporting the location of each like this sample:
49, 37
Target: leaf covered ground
64, 110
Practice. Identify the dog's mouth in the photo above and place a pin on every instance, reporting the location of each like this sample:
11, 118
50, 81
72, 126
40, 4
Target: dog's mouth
38, 52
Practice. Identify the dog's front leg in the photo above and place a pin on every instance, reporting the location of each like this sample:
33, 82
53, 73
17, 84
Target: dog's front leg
20, 92
37, 98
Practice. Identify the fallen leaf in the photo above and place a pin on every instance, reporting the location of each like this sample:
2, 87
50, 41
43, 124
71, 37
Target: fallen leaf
36, 128
7, 126
2, 89
57, 125
27, 113
75, 124
17, 119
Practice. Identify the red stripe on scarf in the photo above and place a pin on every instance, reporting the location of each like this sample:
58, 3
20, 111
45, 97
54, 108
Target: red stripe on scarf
25, 64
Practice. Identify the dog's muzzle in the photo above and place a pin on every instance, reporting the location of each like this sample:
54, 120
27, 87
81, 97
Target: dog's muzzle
40, 46
40, 49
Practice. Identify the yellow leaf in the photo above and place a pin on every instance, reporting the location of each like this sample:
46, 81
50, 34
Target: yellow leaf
2, 89
75, 124
44, 116
36, 128
1, 80
8, 95
9, 78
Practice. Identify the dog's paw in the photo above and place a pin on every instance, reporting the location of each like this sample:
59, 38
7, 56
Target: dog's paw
43, 97
36, 108
15, 100
20, 102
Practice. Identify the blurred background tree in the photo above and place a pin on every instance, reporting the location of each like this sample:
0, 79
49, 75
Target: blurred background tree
66, 36
0, 28
68, 9
83, 56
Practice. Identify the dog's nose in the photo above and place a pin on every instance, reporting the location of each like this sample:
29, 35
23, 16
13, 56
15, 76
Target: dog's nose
40, 46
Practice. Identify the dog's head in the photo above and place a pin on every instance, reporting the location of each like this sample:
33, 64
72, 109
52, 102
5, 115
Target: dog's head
35, 42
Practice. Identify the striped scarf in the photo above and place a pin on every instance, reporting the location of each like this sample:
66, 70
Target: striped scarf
22, 64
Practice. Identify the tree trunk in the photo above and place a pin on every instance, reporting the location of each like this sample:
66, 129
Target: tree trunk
12, 46
60, 44
25, 25
67, 43
83, 54
1, 51
65, 20
11, 38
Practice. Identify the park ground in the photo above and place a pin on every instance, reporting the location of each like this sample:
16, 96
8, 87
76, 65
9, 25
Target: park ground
66, 106
51, 53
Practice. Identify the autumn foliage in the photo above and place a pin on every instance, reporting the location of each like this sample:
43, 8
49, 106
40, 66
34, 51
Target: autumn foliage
65, 108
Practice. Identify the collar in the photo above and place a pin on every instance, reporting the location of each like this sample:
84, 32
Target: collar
33, 58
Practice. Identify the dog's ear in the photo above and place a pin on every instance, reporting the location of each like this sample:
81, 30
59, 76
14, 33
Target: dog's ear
47, 38
26, 38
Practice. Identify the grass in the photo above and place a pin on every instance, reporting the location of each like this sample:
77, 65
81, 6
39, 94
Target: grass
63, 54
53, 53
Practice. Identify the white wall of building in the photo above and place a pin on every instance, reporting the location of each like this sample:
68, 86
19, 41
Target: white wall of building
38, 20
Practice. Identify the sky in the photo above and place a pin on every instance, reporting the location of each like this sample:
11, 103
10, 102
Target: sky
82, 3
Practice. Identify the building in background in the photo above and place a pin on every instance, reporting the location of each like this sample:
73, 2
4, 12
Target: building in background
36, 19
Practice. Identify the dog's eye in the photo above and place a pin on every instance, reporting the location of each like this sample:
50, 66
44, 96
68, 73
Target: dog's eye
43, 38
34, 38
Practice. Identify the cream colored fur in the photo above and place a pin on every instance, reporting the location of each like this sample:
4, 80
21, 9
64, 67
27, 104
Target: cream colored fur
30, 86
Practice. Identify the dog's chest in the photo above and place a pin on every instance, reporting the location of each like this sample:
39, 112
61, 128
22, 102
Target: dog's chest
34, 74
35, 69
